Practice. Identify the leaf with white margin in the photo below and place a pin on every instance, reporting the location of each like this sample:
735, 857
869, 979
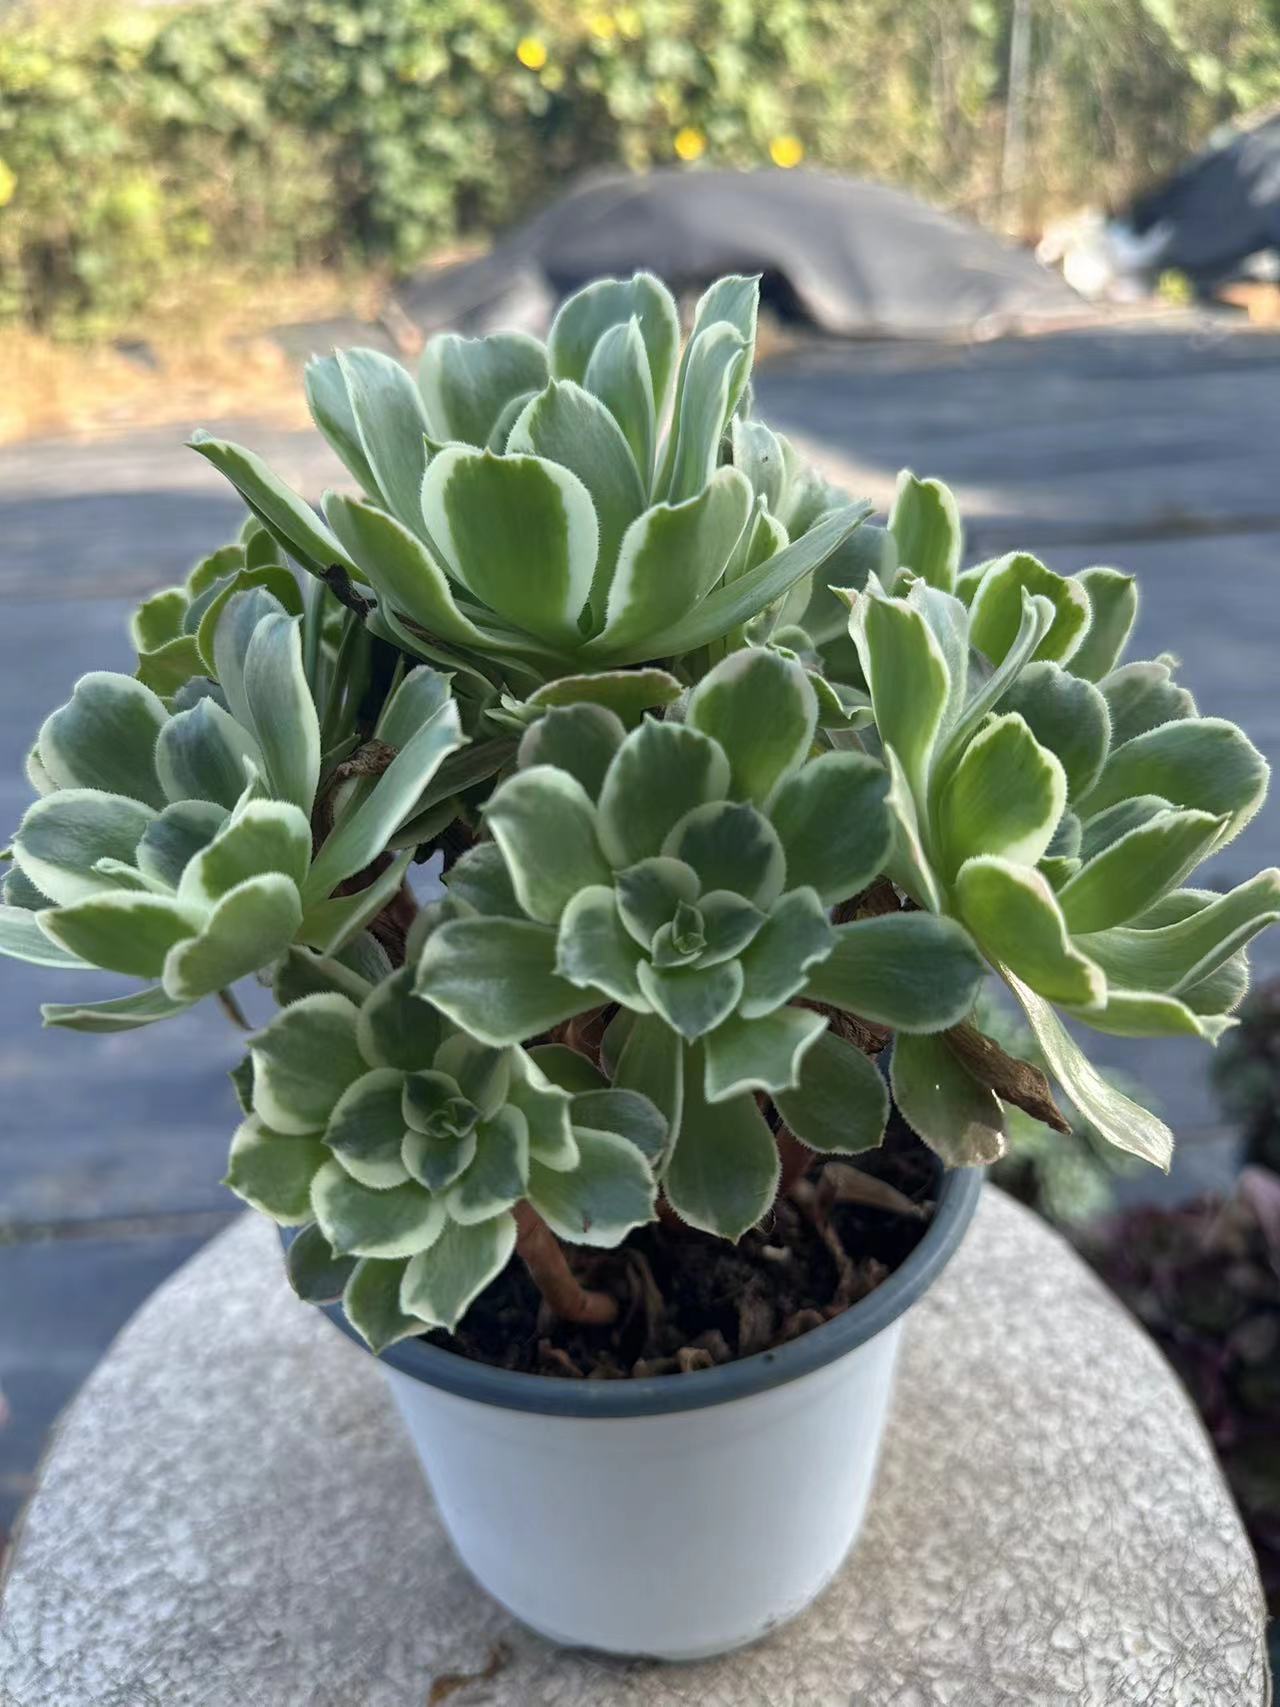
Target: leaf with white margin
925, 524
912, 971
908, 864
580, 739
592, 312
1136, 870
206, 612
281, 710
597, 1203
1015, 915
1139, 1013
330, 404
834, 825
1037, 616
757, 452
300, 972
442, 1282
729, 925
627, 1115
762, 710
314, 1273
1113, 606
172, 840
496, 1176
649, 892
841, 1102
273, 1173
1142, 696
1204, 763
628, 693
567, 425
105, 737
402, 569
120, 1013
692, 999
467, 383
958, 1118
661, 772
63, 836
545, 824
360, 1222
371, 1303
1118, 1119
1177, 955
595, 951
760, 1054
670, 558
392, 423
651, 1062
261, 836
395, 1028
519, 533
1068, 716
619, 375
1005, 797
565, 1068
906, 673
544, 1103
723, 1173
481, 881
329, 926
731, 845
996, 612
776, 965
130, 934
1116, 821
281, 511
247, 929
21, 938
711, 377
361, 835
496, 978
158, 619
303, 1060
366, 1129
201, 754
728, 607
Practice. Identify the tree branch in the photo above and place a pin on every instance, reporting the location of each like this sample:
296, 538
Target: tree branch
544, 1257
1018, 1082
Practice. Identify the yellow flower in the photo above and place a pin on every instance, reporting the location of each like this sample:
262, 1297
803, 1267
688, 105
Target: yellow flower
8, 183
601, 26
531, 52
786, 151
689, 144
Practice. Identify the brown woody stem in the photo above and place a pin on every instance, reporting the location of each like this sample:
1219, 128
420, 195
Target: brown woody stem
1012, 1080
543, 1255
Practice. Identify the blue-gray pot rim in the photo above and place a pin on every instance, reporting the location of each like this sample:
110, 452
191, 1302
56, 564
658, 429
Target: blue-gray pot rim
661, 1395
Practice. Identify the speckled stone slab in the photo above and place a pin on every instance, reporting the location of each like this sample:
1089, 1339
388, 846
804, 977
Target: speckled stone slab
231, 1517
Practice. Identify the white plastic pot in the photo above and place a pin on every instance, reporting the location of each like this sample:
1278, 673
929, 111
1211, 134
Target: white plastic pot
679, 1516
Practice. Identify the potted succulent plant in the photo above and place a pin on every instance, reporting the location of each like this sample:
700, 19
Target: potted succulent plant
739, 796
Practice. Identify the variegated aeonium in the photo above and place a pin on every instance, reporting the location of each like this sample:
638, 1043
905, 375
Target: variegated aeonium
408, 1150
1055, 801
650, 547
742, 778
685, 872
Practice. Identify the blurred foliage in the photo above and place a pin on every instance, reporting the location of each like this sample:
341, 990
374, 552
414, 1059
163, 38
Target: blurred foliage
1205, 1281
1246, 1075
1068, 1177
139, 143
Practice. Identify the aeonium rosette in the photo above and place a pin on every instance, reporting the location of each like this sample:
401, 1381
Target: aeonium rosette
685, 873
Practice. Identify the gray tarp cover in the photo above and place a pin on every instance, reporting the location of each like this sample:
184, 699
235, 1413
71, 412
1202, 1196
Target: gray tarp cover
853, 259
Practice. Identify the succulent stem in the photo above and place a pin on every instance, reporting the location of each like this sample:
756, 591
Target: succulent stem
543, 1255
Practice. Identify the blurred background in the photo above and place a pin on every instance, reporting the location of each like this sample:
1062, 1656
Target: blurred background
1028, 246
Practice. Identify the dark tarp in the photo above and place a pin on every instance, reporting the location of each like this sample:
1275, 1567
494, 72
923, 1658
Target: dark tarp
1223, 206
851, 258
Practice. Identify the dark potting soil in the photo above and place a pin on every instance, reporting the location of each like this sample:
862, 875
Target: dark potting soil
688, 1301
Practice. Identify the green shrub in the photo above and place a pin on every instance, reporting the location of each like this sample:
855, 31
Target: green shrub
141, 145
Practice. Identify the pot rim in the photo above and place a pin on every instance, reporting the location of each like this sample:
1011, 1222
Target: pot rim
663, 1395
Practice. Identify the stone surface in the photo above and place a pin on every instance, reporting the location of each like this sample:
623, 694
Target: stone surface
231, 1517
